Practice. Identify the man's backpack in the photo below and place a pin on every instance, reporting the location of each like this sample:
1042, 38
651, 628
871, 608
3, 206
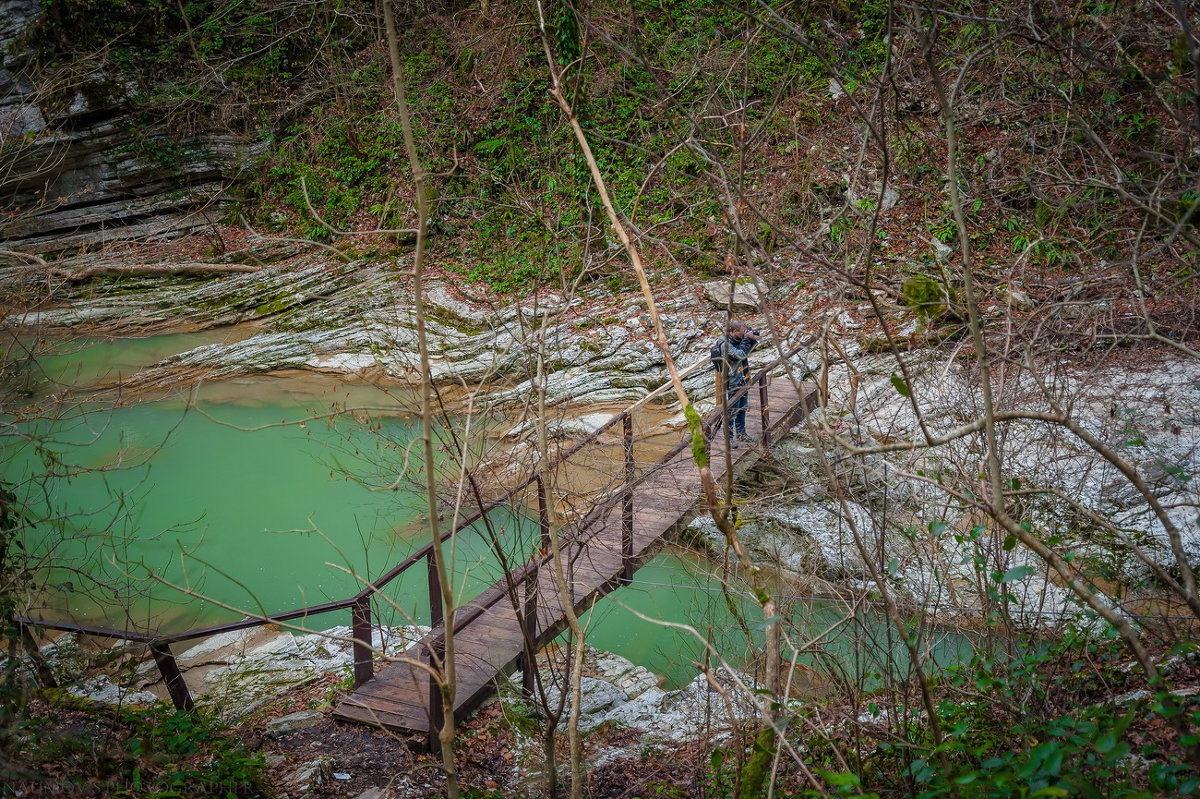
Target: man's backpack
716, 355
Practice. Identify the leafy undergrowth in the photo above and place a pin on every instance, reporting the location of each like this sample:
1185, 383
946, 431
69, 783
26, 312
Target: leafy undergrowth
1072, 718
93, 750
799, 143
513, 207
1075, 718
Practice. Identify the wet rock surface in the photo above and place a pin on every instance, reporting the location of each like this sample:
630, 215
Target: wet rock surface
618, 693
357, 319
232, 674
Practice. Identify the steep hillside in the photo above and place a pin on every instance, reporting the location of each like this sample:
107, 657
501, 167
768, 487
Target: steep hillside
780, 144
786, 142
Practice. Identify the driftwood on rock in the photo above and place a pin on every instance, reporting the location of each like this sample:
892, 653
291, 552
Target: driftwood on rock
23, 257
117, 269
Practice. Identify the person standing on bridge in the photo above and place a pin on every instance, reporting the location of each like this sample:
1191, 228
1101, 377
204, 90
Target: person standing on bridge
730, 360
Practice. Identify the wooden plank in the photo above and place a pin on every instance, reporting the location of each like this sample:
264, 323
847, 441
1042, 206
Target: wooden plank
402, 710
355, 712
375, 718
494, 624
399, 707
383, 704
401, 692
366, 714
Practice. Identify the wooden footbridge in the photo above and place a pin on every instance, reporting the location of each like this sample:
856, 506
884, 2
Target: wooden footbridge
503, 627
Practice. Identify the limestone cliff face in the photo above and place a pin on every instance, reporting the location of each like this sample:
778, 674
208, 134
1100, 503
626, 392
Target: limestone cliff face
80, 166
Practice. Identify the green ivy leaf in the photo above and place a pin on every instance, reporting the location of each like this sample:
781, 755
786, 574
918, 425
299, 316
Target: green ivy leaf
1016, 573
841, 778
1119, 751
900, 386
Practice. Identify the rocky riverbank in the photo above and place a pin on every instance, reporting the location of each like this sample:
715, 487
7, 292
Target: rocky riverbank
357, 319
830, 513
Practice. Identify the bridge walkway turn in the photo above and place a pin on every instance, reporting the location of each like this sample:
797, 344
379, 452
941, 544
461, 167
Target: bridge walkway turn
489, 642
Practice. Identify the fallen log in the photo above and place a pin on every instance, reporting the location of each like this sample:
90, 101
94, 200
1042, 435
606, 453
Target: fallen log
114, 269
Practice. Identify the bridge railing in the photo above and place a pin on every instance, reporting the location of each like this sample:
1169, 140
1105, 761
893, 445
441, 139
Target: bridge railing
359, 604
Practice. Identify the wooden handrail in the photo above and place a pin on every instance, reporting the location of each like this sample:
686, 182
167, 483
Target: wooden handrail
479, 605
186, 635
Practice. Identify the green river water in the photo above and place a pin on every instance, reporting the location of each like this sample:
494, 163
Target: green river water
192, 517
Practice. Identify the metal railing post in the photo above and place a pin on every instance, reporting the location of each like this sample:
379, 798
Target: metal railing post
169, 669
360, 626
627, 509
764, 408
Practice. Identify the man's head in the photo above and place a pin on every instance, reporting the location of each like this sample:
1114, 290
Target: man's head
738, 330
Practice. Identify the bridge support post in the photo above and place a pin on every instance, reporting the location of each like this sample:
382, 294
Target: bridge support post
765, 408
529, 630
44, 672
435, 591
543, 515
627, 506
360, 626
437, 717
169, 669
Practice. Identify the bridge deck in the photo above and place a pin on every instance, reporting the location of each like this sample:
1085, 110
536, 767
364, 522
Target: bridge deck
490, 645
